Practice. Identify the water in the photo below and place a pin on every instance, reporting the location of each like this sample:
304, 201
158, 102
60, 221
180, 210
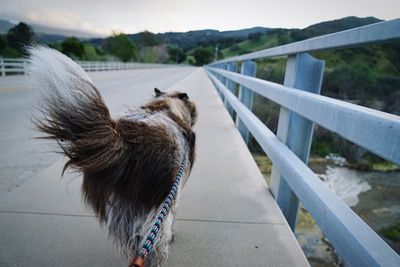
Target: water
347, 184
374, 196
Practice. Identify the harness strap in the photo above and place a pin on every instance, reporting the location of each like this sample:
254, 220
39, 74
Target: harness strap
147, 246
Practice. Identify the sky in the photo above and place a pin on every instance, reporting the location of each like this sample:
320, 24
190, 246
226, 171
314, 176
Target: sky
103, 17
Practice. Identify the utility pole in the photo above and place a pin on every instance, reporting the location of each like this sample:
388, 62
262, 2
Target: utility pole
216, 53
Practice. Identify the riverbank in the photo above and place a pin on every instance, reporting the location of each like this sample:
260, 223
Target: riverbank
372, 194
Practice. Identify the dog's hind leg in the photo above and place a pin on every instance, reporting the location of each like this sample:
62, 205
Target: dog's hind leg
169, 231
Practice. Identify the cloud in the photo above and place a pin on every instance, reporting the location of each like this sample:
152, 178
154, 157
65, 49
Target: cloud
104, 16
52, 17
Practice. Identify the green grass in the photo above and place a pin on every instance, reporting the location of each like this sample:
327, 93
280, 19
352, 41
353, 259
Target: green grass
385, 166
392, 232
248, 46
264, 164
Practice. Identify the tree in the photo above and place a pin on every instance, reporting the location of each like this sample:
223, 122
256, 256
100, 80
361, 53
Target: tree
154, 54
3, 43
149, 39
203, 56
72, 47
19, 36
283, 39
176, 54
191, 60
11, 52
90, 52
122, 47
255, 36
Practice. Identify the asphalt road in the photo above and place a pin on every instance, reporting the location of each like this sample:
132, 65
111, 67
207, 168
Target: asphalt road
22, 155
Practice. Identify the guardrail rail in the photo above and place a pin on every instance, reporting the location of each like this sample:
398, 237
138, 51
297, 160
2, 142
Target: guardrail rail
9, 66
302, 106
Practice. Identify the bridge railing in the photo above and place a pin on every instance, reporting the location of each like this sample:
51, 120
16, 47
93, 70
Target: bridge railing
302, 106
9, 66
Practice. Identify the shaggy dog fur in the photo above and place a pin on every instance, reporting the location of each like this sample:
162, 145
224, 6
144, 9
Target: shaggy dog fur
128, 164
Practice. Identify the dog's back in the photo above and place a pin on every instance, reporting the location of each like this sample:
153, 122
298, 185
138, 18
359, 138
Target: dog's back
128, 164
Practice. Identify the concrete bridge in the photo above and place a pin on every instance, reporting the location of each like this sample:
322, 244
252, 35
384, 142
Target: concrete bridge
228, 214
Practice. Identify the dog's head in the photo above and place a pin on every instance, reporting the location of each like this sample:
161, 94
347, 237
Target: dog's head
179, 104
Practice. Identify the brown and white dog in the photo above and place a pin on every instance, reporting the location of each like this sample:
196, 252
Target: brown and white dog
128, 164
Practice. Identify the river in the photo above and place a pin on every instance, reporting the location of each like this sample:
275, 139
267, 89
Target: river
373, 195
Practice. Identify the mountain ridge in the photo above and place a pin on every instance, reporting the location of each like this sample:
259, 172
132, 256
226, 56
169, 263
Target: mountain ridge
191, 39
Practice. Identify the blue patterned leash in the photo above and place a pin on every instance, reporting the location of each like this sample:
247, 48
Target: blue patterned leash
147, 246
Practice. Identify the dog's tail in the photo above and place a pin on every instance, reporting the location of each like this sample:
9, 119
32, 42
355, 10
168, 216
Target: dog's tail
72, 111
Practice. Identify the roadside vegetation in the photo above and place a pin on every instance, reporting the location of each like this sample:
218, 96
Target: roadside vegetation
143, 47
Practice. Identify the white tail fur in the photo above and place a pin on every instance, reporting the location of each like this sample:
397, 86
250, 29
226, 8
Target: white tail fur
53, 73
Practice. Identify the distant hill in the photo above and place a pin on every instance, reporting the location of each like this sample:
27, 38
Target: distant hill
367, 75
5, 25
191, 39
339, 25
49, 38
238, 39
185, 40
61, 32
275, 37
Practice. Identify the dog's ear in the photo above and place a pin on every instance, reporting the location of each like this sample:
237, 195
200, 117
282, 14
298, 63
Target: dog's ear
158, 92
183, 96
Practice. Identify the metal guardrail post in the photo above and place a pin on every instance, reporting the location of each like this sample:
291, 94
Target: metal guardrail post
303, 72
224, 66
25, 66
230, 85
2, 69
248, 68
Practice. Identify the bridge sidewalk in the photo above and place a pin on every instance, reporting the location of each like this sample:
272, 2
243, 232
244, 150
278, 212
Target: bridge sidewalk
227, 216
